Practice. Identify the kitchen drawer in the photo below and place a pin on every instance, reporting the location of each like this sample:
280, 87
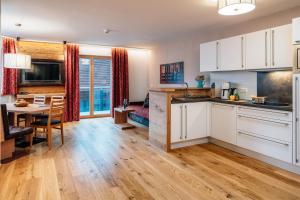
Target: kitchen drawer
278, 150
272, 129
266, 113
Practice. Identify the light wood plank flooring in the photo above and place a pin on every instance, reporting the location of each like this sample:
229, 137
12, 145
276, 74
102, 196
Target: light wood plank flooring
98, 161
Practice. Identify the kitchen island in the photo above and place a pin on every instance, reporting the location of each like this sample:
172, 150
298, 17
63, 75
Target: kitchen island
160, 111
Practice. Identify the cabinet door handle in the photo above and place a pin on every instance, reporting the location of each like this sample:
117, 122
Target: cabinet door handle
281, 113
217, 57
266, 48
223, 105
262, 138
259, 119
242, 51
297, 119
186, 121
273, 48
181, 113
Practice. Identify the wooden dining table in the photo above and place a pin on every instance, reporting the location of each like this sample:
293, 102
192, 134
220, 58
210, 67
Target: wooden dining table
28, 110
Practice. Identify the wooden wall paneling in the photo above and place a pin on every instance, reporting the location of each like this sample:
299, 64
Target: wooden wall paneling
42, 50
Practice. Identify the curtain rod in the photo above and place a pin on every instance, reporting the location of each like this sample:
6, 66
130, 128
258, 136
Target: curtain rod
55, 42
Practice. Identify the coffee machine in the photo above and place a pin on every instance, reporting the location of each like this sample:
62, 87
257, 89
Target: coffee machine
226, 90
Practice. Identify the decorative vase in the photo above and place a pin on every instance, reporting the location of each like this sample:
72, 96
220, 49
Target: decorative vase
200, 84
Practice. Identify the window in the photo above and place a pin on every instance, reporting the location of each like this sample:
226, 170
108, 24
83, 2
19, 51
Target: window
95, 85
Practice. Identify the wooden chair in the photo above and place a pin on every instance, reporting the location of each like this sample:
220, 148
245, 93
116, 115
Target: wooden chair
11, 133
54, 120
39, 100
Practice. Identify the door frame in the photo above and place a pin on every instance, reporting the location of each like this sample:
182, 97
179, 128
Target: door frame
92, 115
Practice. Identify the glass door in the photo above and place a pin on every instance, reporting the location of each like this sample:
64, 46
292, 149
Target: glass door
95, 86
84, 83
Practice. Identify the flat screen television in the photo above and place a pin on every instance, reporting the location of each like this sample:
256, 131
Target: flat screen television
43, 72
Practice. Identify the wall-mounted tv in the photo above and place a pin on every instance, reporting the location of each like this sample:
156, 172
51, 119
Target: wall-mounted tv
43, 72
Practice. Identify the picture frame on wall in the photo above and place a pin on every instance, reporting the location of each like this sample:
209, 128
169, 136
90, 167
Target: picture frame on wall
172, 73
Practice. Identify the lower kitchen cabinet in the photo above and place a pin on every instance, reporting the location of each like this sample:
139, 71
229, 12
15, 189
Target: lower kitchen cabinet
223, 122
188, 121
266, 132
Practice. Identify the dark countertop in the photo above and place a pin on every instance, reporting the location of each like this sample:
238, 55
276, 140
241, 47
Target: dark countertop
241, 103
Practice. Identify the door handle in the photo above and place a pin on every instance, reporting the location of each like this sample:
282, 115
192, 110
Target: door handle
273, 48
266, 48
242, 51
181, 121
186, 121
217, 57
259, 119
297, 119
262, 138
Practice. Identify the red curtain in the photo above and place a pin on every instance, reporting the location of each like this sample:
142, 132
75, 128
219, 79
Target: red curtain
120, 82
9, 80
72, 82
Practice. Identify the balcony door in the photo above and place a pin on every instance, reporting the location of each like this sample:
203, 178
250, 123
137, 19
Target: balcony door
95, 86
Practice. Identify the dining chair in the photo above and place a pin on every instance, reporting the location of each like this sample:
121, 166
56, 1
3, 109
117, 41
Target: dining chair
54, 120
11, 133
39, 100
45, 115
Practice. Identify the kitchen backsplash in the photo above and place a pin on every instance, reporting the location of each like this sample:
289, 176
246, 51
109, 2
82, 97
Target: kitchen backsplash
245, 81
277, 86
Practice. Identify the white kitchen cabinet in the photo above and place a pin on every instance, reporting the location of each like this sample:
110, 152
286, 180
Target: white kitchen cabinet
209, 56
188, 121
281, 47
196, 120
223, 122
265, 131
296, 118
296, 30
257, 50
177, 122
232, 53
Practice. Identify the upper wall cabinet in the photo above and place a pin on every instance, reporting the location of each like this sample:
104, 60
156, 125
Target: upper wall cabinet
231, 53
257, 50
281, 47
296, 30
209, 56
266, 49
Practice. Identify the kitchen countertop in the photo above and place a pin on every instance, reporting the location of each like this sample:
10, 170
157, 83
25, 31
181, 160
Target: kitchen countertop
176, 89
241, 103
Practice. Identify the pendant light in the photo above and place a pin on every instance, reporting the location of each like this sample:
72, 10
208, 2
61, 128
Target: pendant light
235, 7
17, 61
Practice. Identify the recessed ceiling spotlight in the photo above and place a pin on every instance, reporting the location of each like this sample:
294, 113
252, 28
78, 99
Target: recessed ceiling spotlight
18, 24
235, 7
106, 31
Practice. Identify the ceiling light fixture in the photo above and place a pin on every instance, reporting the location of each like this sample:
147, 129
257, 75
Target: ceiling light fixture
235, 7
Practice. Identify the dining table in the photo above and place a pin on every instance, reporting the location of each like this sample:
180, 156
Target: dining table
29, 110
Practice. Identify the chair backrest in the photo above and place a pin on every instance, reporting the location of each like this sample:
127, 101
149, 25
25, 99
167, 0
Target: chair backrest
57, 108
57, 98
5, 120
39, 100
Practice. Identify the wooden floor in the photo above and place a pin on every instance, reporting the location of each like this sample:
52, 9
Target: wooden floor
99, 161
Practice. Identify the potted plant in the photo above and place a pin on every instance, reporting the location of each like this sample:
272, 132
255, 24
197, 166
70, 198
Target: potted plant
200, 81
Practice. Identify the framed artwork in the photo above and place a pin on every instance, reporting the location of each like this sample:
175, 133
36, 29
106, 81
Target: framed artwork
172, 73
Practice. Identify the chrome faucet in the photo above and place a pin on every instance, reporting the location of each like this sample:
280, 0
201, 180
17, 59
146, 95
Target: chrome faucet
186, 89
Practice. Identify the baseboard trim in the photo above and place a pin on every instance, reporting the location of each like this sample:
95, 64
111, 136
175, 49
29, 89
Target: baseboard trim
258, 156
189, 143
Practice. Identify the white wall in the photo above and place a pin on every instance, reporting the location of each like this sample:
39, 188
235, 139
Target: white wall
187, 49
138, 65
